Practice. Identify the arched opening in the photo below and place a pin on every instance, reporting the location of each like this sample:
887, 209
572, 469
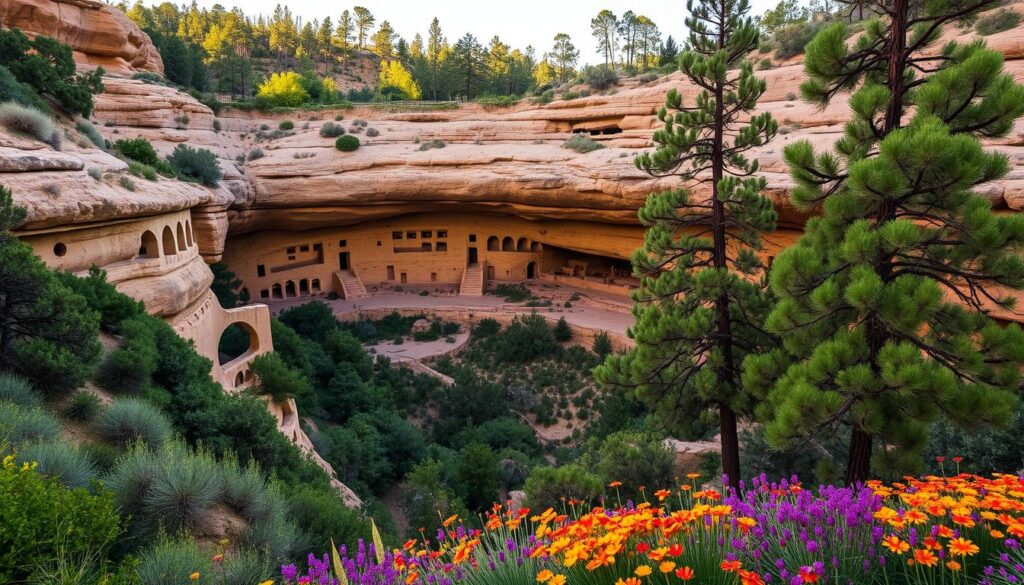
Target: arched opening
188, 233
508, 244
289, 289
492, 243
535, 246
276, 291
170, 249
315, 286
531, 271
236, 340
181, 238
523, 245
239, 379
304, 286
148, 247
59, 249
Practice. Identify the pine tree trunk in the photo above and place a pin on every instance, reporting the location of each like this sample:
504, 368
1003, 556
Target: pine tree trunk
858, 468
858, 465
723, 322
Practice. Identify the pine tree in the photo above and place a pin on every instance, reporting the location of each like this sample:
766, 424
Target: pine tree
468, 64
605, 28
384, 41
882, 304
564, 56
698, 310
363, 25
435, 46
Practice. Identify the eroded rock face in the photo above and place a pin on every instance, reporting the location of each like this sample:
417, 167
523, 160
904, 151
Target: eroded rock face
100, 35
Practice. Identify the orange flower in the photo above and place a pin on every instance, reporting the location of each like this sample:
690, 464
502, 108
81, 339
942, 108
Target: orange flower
962, 547
666, 567
894, 544
194, 577
628, 581
684, 573
731, 566
557, 580
544, 576
662, 494
643, 570
808, 575
409, 544
953, 565
615, 484
448, 521
675, 550
925, 557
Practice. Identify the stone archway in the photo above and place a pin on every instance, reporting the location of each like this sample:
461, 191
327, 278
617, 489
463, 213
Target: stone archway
170, 248
148, 247
188, 233
508, 244
182, 244
492, 244
523, 245
237, 340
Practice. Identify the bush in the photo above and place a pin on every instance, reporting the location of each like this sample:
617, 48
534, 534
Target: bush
372, 132
562, 331
216, 125
256, 153
347, 143
323, 517
286, 125
137, 149
95, 173
24, 425
432, 144
198, 164
47, 523
87, 129
12, 90
126, 183
18, 391
486, 327
172, 562
277, 380
997, 21
582, 144
282, 90
634, 459
140, 170
26, 120
48, 66
132, 419
61, 461
600, 77
331, 130
83, 406
791, 40
547, 486
602, 345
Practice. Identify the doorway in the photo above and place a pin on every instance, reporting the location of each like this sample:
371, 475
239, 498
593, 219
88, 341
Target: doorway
343, 260
472, 256
531, 271
490, 273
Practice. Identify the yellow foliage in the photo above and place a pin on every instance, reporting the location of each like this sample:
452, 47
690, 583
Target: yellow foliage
283, 89
393, 74
544, 73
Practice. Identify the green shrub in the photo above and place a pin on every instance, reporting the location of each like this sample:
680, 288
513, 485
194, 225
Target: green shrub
61, 461
137, 149
24, 425
372, 132
83, 406
216, 125
198, 164
562, 331
486, 327
129, 367
432, 144
12, 90
172, 562
347, 143
48, 66
46, 523
323, 517
600, 77
791, 40
277, 380
765, 64
140, 170
582, 144
547, 486
255, 153
95, 173
286, 125
87, 129
996, 22
642, 459
602, 345
18, 391
128, 420
331, 130
27, 120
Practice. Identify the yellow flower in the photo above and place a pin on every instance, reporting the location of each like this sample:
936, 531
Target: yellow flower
194, 577
643, 571
544, 576
666, 567
557, 580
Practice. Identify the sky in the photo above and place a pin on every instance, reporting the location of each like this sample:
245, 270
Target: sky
518, 22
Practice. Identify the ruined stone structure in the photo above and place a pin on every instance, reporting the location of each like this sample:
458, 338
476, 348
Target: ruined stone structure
502, 201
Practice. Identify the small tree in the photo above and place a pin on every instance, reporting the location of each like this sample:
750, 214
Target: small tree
700, 306
562, 331
883, 311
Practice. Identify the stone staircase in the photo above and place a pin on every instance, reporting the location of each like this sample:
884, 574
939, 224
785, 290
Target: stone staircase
472, 281
351, 285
